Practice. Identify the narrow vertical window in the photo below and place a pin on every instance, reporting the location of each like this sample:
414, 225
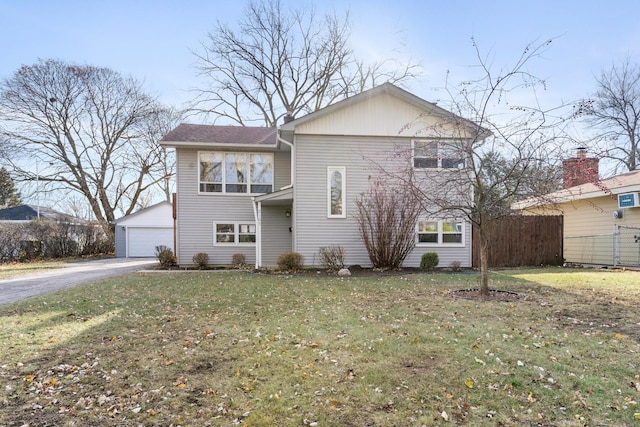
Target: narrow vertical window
336, 192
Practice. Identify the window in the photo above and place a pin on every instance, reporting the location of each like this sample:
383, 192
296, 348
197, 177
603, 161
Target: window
431, 232
241, 173
336, 194
234, 233
437, 155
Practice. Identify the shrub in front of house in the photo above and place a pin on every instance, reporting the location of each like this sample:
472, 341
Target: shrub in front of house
456, 266
290, 261
238, 260
332, 257
429, 261
201, 259
165, 256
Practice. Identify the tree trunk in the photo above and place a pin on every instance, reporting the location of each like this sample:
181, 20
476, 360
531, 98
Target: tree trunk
484, 264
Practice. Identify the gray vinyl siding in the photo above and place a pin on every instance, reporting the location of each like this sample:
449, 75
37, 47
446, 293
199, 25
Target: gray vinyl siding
197, 213
276, 237
446, 255
121, 241
314, 230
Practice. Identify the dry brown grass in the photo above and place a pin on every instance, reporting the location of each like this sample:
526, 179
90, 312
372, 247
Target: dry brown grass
233, 348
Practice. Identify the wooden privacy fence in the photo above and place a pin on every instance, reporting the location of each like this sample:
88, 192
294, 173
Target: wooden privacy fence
525, 240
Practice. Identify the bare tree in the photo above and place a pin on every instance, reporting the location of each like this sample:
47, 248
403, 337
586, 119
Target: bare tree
89, 126
282, 62
614, 112
487, 153
386, 216
164, 161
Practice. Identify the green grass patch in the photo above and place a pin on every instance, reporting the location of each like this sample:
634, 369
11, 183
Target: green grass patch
234, 348
18, 268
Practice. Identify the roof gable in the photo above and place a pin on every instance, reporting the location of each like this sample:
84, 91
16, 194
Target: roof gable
160, 214
385, 110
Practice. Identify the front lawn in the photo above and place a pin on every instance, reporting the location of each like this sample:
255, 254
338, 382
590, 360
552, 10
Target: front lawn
12, 269
235, 348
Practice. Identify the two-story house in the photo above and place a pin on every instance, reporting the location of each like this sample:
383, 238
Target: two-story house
265, 191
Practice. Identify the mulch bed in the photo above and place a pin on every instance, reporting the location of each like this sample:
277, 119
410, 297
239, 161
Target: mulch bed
494, 295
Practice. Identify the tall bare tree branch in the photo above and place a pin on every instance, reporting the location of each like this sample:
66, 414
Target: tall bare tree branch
614, 113
91, 127
282, 61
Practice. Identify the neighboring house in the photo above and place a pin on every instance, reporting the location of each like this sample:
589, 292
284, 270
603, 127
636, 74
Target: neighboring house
27, 213
601, 217
265, 191
138, 234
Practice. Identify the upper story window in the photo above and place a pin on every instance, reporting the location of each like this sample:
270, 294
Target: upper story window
434, 232
242, 173
430, 154
336, 192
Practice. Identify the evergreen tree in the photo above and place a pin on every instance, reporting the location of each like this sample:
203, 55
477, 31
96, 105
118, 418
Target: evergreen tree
9, 197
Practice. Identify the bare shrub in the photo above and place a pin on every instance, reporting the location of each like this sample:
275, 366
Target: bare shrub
456, 266
43, 238
290, 261
165, 256
92, 240
332, 257
11, 235
387, 215
238, 260
201, 259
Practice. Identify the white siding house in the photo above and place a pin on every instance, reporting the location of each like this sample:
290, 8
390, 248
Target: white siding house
265, 191
138, 234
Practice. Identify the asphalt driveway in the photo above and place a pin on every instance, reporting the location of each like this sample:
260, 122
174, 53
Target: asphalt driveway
28, 285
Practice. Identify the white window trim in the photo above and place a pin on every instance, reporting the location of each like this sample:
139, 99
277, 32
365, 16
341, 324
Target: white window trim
440, 234
224, 173
439, 157
236, 233
343, 172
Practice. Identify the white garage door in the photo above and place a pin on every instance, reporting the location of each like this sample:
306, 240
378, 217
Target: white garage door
143, 241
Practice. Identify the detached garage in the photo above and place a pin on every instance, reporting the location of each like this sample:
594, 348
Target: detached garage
138, 234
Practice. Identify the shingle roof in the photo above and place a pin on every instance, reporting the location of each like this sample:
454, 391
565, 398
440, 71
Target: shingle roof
29, 213
618, 184
231, 135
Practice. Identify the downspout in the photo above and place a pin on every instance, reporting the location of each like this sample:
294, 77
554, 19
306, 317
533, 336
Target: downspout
293, 151
257, 214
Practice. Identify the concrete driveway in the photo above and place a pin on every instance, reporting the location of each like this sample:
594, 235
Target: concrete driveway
28, 285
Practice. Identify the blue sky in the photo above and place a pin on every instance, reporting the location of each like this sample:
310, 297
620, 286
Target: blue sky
152, 39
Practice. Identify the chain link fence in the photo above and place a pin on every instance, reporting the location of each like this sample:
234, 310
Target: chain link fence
627, 246
620, 248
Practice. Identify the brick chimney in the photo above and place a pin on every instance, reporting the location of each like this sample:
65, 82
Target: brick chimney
580, 169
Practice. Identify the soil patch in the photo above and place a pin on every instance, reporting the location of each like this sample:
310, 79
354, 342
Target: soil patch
494, 295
